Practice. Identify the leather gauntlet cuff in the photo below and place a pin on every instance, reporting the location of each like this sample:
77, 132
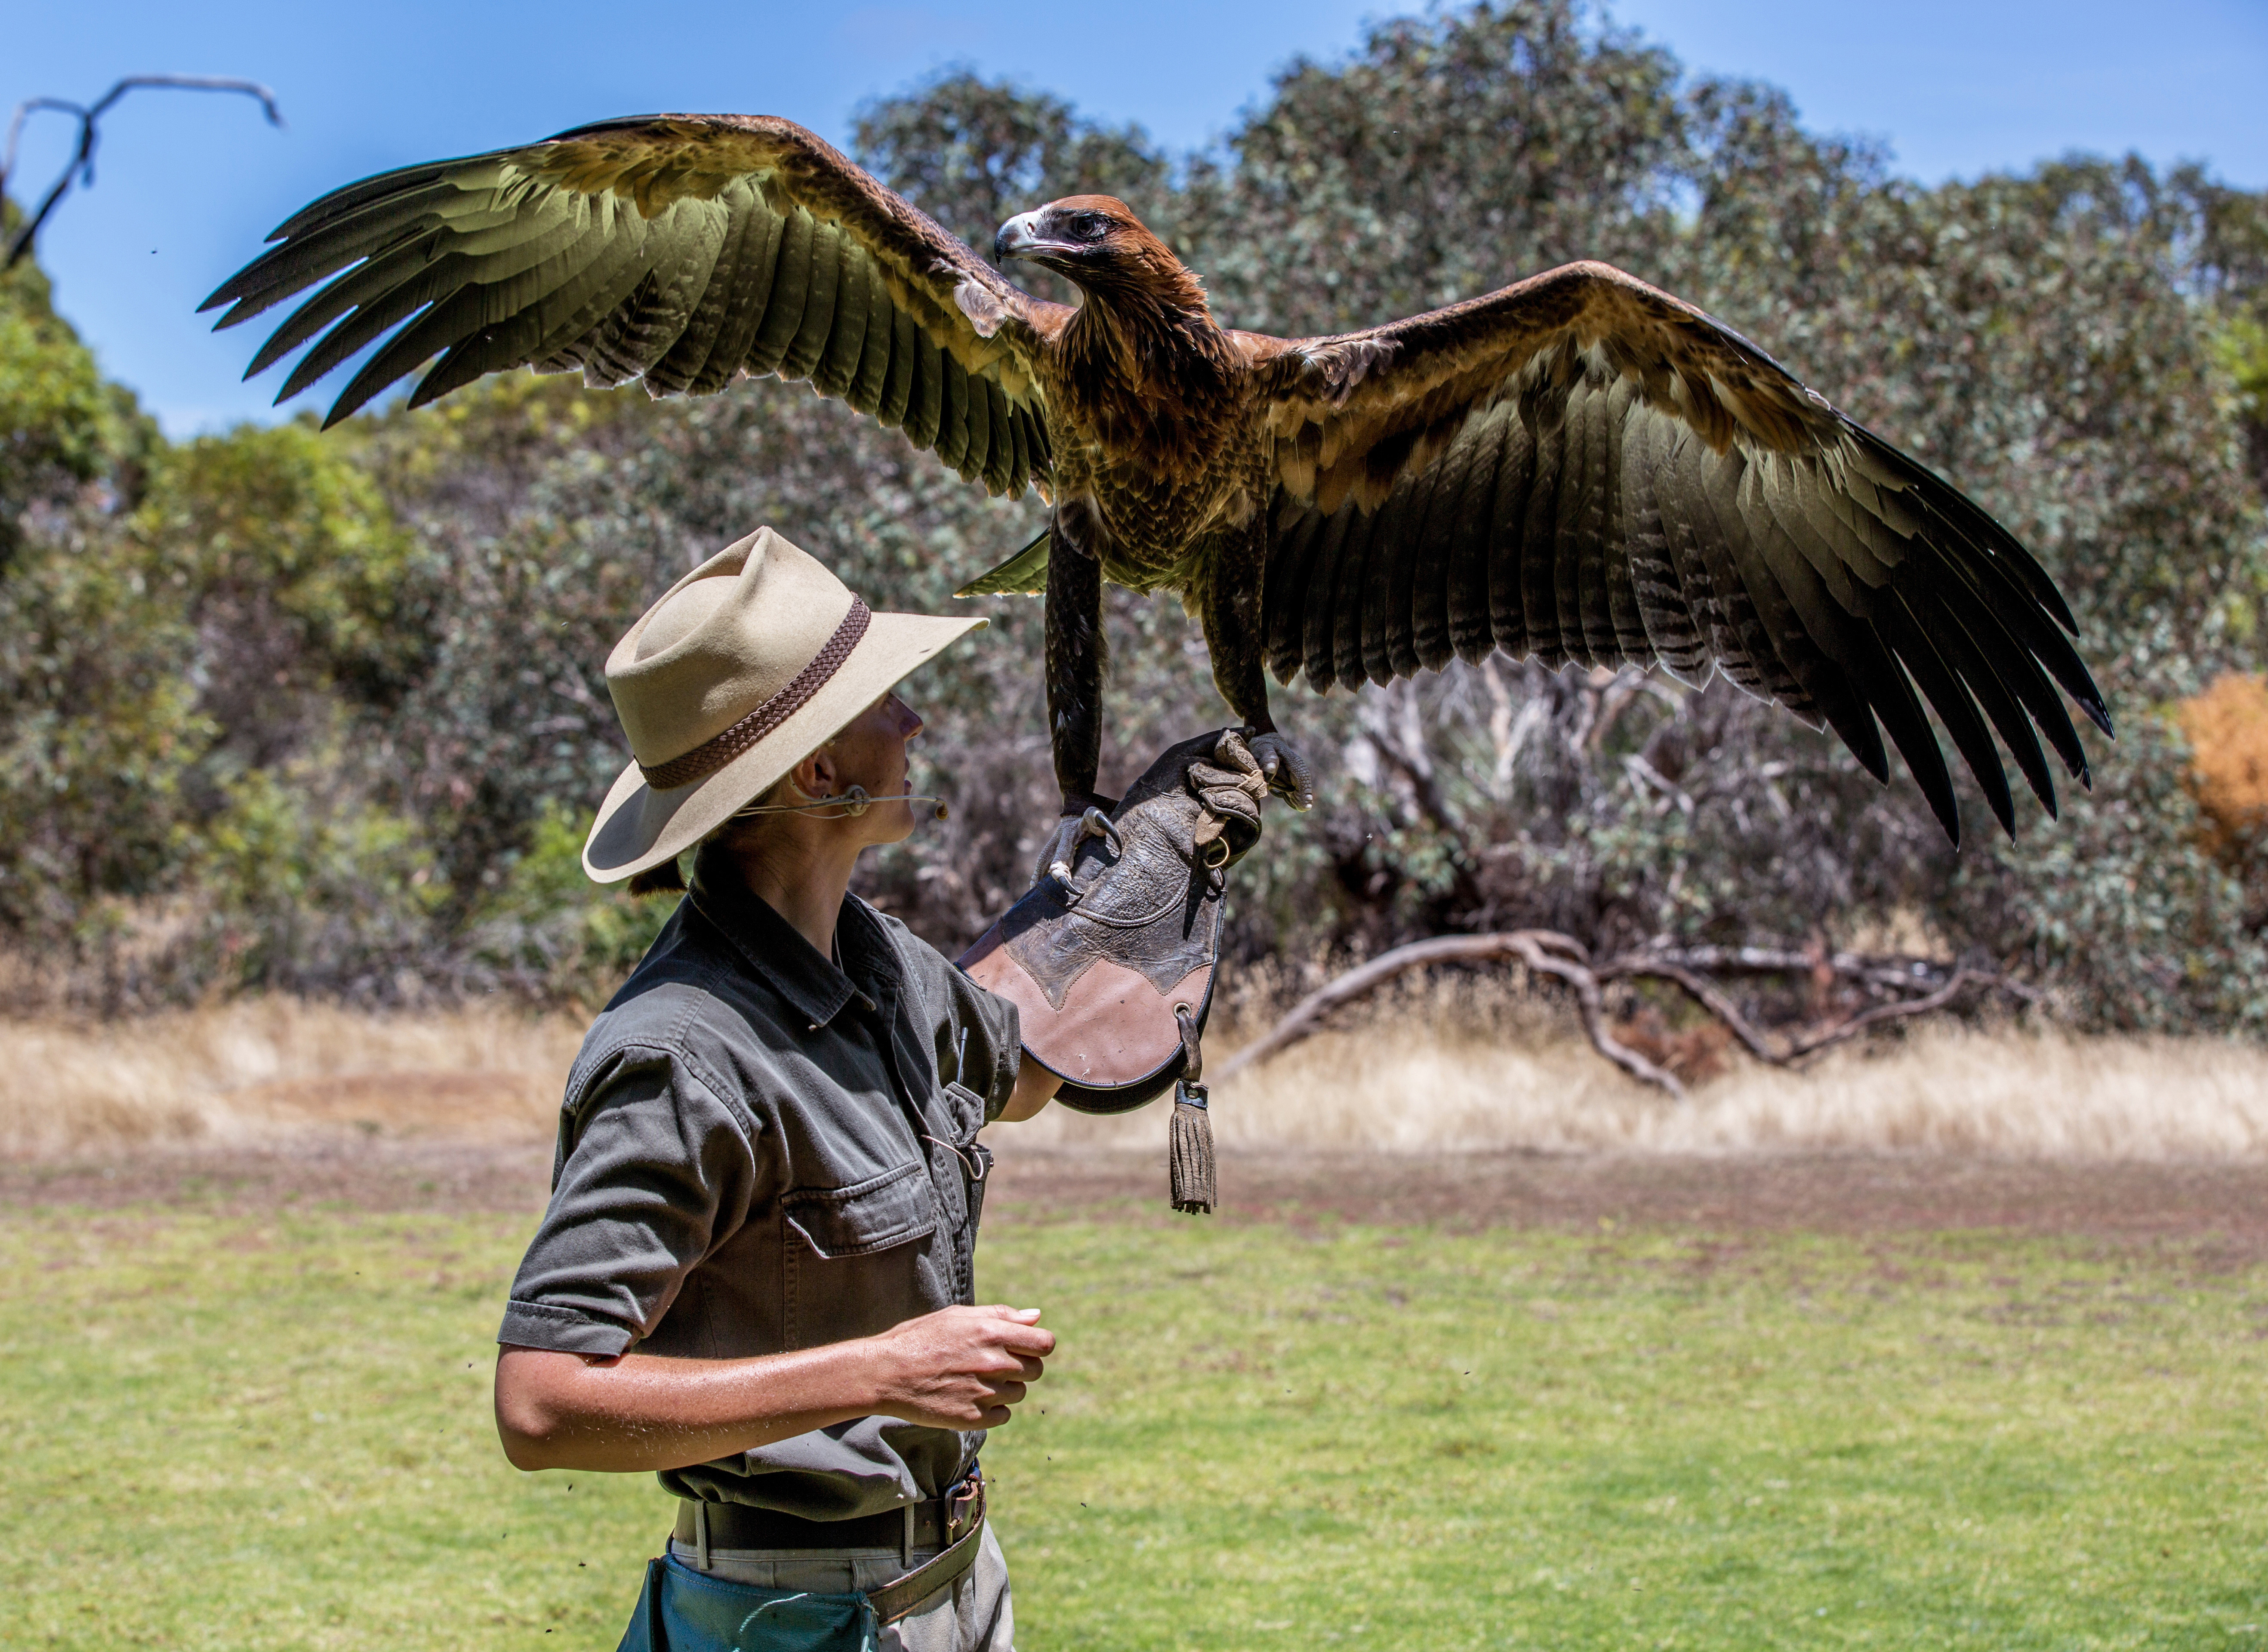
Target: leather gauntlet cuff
1107, 966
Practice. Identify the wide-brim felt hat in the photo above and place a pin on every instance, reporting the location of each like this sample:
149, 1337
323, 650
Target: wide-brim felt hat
745, 666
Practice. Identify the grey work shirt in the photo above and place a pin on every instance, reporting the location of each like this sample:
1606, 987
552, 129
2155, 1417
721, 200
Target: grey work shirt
760, 1151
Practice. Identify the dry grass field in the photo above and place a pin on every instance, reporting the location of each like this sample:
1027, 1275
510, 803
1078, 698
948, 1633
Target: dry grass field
1423, 1074
274, 1072
1951, 1342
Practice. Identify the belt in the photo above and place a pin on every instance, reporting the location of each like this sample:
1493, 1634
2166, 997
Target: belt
954, 1524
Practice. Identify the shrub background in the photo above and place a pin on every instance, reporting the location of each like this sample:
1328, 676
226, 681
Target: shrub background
325, 713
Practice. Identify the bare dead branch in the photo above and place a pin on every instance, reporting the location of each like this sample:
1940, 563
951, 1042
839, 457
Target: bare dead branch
1407, 757
1543, 951
1593, 1005
1921, 984
1307, 1016
1800, 1050
1898, 973
1703, 992
80, 167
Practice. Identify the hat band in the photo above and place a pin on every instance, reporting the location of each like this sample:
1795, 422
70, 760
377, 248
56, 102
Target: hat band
713, 754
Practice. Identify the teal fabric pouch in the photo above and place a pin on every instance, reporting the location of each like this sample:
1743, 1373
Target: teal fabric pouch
681, 1610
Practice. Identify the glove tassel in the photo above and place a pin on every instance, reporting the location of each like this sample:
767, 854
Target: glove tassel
1190, 1162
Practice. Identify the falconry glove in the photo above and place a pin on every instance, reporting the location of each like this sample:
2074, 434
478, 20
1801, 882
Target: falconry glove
1110, 958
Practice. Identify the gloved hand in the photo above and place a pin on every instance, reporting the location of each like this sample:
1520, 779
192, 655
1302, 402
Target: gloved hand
1110, 958
1124, 923
1220, 772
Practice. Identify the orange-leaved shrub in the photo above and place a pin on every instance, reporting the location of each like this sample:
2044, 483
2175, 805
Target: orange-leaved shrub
2227, 726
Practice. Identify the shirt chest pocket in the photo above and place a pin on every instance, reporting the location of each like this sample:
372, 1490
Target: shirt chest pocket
891, 1209
856, 1260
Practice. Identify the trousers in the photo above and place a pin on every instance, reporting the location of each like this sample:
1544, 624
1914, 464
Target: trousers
798, 1601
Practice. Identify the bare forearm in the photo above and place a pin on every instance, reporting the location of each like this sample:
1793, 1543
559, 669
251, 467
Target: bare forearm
645, 1412
958, 1367
1036, 1087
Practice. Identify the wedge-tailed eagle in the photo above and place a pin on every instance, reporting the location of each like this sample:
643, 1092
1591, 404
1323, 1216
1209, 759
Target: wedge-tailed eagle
1577, 467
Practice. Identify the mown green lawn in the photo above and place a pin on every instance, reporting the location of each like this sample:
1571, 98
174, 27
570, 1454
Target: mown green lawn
222, 1433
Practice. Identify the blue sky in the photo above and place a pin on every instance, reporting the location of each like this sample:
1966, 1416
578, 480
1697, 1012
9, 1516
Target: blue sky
187, 184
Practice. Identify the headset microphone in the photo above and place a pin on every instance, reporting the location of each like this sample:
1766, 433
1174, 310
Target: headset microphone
853, 802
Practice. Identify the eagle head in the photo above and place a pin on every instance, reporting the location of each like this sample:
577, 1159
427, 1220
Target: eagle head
1096, 242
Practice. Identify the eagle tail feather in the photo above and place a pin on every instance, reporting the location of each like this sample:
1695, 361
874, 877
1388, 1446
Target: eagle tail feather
1023, 574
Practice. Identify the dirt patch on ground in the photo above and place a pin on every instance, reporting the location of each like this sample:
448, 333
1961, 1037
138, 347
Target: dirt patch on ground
341, 1173
2223, 1207
2221, 1204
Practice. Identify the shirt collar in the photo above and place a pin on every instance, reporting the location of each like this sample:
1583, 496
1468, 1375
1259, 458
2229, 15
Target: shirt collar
811, 982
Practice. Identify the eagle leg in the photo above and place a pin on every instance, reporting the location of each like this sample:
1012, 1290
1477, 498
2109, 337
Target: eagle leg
1077, 655
1290, 775
1229, 606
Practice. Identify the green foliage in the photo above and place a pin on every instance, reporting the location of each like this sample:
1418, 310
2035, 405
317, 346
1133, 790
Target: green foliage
309, 890
402, 624
56, 414
1254, 1435
1452, 155
67, 438
547, 930
94, 663
283, 518
283, 553
2123, 906
102, 730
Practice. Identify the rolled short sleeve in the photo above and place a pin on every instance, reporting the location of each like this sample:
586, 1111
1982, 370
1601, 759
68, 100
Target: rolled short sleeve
980, 1042
656, 1170
994, 1051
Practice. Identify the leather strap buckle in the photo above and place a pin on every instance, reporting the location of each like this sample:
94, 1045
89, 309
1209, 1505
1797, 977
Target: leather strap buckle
896, 1598
963, 1506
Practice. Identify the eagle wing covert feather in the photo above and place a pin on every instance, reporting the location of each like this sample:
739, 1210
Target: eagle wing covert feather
1585, 470
684, 250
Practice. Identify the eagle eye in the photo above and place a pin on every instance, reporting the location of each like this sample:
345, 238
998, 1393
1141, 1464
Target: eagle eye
1089, 227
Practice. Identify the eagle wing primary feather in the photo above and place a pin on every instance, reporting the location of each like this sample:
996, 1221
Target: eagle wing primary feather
1588, 469
683, 250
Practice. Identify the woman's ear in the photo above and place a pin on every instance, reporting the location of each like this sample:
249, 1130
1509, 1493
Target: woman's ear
817, 773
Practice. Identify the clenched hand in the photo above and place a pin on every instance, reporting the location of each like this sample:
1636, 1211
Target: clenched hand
961, 1368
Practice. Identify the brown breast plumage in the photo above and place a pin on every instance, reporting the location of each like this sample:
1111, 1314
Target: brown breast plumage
1153, 440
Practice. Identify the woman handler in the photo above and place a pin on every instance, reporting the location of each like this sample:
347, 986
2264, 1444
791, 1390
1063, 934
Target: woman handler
756, 1274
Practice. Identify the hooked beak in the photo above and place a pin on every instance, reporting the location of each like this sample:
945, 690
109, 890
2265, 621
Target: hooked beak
1018, 238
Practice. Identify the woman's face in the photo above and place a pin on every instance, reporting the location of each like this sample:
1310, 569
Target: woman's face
871, 751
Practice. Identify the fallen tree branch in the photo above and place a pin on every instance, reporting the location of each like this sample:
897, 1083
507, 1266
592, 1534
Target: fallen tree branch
1593, 1005
1921, 983
1801, 1049
1705, 994
1543, 951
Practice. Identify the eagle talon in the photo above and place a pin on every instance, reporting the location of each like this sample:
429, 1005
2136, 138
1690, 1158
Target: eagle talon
1095, 823
1061, 848
1290, 775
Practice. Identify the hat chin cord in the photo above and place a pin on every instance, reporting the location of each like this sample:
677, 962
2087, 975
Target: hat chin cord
851, 803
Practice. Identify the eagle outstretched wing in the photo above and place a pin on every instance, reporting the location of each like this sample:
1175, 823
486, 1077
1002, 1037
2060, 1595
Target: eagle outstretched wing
684, 250
1583, 469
